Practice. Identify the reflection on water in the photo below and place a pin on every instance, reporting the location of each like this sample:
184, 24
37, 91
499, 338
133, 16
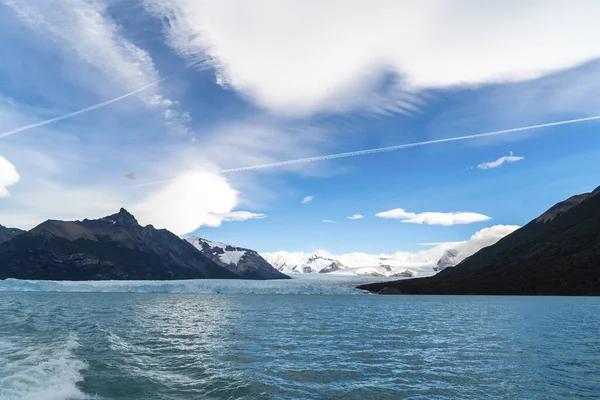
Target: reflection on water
187, 346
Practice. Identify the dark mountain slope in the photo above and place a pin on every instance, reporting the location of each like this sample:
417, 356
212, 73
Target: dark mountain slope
9, 233
243, 262
114, 247
555, 254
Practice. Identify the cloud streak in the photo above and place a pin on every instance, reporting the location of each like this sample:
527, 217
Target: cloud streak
308, 199
434, 218
356, 216
495, 164
238, 216
405, 146
82, 111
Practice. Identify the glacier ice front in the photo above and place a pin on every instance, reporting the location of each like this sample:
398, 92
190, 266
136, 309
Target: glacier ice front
298, 285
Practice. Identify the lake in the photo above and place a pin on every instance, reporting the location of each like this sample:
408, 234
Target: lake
56, 346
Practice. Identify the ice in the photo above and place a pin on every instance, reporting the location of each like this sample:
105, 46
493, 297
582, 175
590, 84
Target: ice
300, 284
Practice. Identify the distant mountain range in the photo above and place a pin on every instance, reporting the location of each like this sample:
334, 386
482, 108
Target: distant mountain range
307, 265
115, 247
400, 264
557, 253
315, 264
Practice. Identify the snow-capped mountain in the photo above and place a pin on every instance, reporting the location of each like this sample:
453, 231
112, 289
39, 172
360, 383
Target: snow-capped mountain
401, 264
288, 263
358, 264
449, 259
244, 262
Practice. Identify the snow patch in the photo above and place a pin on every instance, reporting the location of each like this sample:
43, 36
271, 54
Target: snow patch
232, 257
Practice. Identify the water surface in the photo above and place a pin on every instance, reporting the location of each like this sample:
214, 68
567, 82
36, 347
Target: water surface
235, 346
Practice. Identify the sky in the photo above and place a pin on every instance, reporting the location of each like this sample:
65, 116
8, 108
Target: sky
188, 113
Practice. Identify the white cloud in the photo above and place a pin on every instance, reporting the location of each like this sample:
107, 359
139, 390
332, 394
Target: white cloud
434, 218
328, 221
356, 216
438, 243
307, 199
237, 216
8, 176
192, 199
307, 56
483, 238
495, 164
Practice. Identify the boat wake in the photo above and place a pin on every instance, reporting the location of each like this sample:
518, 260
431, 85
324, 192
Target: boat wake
40, 371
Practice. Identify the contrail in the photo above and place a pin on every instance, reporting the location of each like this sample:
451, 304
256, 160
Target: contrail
84, 110
403, 146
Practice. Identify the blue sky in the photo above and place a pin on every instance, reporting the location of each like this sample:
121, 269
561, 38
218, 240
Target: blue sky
245, 85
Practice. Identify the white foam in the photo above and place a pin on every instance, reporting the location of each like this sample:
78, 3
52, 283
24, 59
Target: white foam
40, 371
299, 285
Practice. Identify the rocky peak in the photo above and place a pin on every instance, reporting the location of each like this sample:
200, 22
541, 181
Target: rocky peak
123, 217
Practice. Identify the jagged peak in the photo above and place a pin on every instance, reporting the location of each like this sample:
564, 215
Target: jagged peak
123, 217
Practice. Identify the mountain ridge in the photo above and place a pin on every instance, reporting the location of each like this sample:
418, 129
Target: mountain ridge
114, 247
8, 233
557, 253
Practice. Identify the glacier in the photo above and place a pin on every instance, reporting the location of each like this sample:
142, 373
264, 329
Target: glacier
299, 284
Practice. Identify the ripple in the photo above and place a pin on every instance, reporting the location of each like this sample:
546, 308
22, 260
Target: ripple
125, 346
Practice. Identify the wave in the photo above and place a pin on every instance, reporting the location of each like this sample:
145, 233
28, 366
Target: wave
40, 371
291, 286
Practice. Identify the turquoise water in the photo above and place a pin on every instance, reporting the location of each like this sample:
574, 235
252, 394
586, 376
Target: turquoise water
227, 346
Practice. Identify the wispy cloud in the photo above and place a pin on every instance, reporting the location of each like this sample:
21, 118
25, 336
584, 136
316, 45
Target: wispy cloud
356, 216
238, 216
86, 29
434, 218
261, 50
328, 221
495, 164
438, 243
8, 176
307, 199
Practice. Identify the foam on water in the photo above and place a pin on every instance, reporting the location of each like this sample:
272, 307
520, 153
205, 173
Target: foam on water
40, 371
298, 285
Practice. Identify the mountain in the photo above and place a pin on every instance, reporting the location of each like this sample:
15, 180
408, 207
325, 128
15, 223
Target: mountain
114, 247
9, 233
557, 253
303, 263
243, 262
448, 259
